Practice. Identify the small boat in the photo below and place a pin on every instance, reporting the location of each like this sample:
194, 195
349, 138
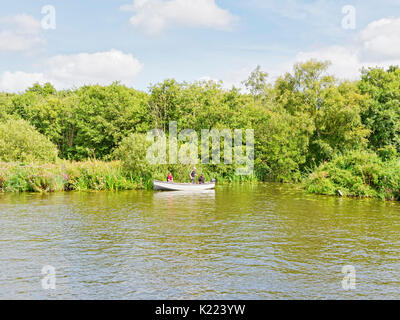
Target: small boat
172, 186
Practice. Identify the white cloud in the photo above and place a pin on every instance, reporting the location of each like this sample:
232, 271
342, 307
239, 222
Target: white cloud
378, 44
154, 16
346, 62
381, 39
18, 81
66, 71
230, 79
20, 33
100, 67
235, 78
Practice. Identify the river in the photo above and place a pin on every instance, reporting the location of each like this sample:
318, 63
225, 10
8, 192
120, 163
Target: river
269, 241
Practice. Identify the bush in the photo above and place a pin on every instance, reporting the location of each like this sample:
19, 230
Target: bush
358, 173
387, 153
19, 141
132, 152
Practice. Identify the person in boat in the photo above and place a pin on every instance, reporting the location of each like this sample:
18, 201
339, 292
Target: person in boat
170, 178
202, 179
193, 174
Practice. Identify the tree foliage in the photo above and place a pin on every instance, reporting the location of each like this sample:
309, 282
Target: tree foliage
382, 115
302, 121
20, 142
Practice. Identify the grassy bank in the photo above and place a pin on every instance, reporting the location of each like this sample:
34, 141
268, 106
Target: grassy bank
357, 174
91, 175
66, 176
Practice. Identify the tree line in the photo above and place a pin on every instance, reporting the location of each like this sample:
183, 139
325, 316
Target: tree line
303, 120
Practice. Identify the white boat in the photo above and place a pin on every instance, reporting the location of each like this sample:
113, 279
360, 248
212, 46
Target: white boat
172, 186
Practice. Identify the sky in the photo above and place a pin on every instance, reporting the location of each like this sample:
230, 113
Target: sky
143, 42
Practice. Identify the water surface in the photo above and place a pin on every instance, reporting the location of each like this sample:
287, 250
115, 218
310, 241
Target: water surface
268, 241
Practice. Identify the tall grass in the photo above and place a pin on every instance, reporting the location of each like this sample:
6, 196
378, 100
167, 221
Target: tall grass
65, 176
95, 175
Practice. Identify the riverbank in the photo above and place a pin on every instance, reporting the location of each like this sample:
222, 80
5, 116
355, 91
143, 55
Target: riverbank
359, 174
66, 176
90, 175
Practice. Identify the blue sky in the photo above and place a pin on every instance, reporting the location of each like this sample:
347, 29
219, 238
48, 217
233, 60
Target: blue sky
146, 41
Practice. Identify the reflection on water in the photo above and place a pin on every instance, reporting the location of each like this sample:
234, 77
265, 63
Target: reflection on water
239, 242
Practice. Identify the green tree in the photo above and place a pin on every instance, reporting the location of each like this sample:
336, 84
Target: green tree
19, 141
281, 144
257, 83
132, 152
44, 90
338, 122
382, 116
310, 93
164, 101
106, 115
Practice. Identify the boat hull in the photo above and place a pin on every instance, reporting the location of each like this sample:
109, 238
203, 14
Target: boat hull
171, 186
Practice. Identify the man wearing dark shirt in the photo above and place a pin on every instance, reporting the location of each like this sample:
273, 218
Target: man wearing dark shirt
193, 175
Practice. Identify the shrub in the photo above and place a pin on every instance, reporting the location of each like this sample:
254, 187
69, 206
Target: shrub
387, 153
132, 152
19, 141
358, 173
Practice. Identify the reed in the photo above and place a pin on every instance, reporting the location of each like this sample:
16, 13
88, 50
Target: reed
65, 176
96, 175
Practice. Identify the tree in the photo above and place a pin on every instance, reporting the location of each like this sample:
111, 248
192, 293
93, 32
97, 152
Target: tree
257, 84
132, 152
382, 116
164, 101
281, 144
334, 110
104, 116
301, 90
19, 141
46, 89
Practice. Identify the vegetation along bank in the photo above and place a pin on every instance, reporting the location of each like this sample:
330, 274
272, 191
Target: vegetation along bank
335, 137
